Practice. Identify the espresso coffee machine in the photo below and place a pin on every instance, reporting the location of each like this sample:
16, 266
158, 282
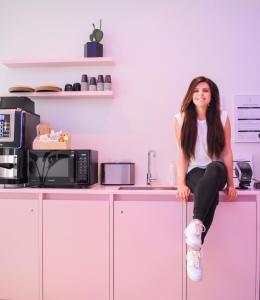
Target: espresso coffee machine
17, 132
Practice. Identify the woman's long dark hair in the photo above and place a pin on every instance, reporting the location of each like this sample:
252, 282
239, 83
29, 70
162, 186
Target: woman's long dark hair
215, 134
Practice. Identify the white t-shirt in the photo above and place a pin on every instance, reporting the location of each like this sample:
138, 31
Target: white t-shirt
202, 158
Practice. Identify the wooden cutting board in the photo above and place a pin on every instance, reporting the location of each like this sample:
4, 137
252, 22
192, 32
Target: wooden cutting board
48, 88
20, 89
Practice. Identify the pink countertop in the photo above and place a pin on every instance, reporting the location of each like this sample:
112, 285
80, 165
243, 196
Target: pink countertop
107, 190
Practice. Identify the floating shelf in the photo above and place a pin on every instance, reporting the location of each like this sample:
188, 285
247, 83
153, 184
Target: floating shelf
62, 95
86, 61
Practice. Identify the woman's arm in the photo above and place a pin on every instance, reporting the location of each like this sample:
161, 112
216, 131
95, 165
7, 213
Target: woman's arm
183, 191
227, 157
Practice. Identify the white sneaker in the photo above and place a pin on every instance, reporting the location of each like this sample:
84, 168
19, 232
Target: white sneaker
194, 269
193, 234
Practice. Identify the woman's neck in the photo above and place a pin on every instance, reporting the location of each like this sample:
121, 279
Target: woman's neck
201, 113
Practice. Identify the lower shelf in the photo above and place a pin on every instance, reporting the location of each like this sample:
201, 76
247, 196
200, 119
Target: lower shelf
54, 95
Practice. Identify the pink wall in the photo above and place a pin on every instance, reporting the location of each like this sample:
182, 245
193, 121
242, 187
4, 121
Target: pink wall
158, 47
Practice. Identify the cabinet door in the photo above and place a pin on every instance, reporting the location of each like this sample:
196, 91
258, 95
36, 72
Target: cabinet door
147, 250
229, 254
19, 249
75, 249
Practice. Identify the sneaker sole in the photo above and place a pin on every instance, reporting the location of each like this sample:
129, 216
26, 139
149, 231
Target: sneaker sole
196, 279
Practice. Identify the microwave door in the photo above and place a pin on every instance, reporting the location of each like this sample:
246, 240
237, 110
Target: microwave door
59, 169
36, 168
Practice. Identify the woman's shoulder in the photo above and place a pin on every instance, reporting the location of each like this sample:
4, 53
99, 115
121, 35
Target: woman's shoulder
179, 118
223, 117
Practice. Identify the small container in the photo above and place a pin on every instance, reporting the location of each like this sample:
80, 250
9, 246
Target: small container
108, 83
68, 87
121, 173
84, 82
100, 83
76, 86
92, 84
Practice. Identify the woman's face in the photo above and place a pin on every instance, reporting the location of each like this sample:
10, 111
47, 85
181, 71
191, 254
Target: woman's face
202, 95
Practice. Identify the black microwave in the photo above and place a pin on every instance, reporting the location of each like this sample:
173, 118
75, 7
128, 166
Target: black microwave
62, 168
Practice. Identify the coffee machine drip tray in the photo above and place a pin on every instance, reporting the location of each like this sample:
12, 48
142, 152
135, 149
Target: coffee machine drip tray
8, 173
12, 186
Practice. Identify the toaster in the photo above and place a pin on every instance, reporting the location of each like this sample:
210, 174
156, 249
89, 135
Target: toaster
118, 173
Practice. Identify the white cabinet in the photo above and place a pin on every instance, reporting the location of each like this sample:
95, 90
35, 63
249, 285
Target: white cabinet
83, 245
19, 249
148, 249
76, 249
229, 254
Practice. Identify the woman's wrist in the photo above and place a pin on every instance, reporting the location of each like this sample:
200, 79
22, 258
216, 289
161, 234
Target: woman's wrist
181, 182
231, 185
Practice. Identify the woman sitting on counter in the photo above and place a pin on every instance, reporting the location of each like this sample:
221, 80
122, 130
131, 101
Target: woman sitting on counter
205, 162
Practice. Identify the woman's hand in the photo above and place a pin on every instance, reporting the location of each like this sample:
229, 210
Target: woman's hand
183, 192
231, 193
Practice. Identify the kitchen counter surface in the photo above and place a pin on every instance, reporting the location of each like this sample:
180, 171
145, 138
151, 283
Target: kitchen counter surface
108, 190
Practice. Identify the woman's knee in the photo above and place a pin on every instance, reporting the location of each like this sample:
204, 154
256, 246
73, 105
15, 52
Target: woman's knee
216, 168
213, 169
217, 171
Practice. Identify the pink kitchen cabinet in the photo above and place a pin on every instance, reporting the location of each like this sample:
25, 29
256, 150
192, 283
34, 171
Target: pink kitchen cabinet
147, 249
19, 248
76, 248
229, 254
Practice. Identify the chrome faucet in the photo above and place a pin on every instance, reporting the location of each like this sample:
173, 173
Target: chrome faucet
149, 177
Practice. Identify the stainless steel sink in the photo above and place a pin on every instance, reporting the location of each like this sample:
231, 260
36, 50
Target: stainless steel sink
138, 188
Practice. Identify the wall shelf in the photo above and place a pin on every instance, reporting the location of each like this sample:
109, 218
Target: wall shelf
86, 61
62, 95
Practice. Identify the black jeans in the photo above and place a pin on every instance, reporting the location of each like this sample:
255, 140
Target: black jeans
205, 184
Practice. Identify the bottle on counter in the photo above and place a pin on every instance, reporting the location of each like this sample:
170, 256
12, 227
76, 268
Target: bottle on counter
84, 82
100, 83
108, 83
92, 84
172, 173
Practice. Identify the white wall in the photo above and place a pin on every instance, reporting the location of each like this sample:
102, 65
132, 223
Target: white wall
158, 47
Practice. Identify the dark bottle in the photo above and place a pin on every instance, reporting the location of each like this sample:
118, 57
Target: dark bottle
68, 87
76, 86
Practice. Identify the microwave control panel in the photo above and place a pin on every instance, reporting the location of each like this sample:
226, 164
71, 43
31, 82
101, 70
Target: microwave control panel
82, 167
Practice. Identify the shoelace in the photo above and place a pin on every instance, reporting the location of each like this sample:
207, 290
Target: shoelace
196, 255
199, 228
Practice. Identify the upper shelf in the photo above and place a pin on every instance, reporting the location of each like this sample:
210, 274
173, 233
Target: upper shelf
86, 61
